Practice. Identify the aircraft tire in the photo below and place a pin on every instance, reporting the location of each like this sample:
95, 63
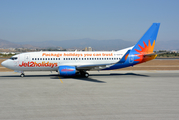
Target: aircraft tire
86, 75
22, 75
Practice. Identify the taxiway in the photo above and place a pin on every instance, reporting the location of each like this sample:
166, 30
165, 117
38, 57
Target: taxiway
136, 95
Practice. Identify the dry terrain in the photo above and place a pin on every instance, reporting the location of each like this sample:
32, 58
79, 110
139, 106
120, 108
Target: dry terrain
151, 65
157, 64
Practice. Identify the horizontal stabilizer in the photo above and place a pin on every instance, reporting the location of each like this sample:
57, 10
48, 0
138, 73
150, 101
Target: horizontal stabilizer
155, 53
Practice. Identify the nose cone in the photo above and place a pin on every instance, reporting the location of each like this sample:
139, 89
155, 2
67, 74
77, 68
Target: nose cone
4, 63
8, 64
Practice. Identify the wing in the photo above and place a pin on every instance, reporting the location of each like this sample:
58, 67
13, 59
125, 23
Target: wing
93, 66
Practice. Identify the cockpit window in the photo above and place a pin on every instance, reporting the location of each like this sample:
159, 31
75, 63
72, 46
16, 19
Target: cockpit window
13, 58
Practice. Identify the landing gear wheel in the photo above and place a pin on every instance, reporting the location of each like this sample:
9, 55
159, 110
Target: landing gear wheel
86, 75
22, 75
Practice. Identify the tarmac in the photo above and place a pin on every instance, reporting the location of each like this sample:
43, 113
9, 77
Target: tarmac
105, 95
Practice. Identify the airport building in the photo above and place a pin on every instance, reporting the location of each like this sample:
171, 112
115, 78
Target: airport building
88, 49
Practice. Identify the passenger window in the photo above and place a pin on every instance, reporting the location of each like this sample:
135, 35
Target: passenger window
63, 58
73, 58
76, 58
45, 58
35, 58
48, 58
79, 58
58, 58
40, 58
84, 58
114, 58
107, 58
92, 58
87, 58
66, 58
104, 58
32, 58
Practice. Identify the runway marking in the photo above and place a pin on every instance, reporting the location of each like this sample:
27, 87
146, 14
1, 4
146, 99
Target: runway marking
60, 79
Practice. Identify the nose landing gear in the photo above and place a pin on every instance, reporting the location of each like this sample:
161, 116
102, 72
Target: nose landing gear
22, 75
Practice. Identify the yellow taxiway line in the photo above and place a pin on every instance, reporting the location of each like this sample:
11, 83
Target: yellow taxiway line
60, 79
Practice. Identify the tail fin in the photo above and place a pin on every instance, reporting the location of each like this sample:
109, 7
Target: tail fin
142, 51
146, 44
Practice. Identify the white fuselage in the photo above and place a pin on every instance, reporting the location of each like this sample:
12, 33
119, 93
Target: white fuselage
51, 60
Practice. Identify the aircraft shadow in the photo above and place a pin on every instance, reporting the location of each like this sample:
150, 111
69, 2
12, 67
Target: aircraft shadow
54, 76
18, 76
120, 74
78, 77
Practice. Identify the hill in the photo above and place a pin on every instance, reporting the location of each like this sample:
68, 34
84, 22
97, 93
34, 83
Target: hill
82, 43
7, 44
116, 44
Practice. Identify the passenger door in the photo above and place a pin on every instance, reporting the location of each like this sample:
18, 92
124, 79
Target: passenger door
26, 58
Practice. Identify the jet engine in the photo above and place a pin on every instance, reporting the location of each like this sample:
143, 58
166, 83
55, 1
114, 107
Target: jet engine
67, 70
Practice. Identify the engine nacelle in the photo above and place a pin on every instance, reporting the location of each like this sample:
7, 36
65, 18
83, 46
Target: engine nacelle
67, 70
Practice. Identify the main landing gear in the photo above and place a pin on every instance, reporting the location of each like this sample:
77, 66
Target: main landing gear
84, 74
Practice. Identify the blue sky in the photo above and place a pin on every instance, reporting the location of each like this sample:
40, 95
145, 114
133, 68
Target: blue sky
42, 20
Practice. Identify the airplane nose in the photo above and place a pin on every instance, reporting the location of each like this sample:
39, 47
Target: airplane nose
7, 64
3, 63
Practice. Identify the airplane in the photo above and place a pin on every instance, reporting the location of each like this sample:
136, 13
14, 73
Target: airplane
71, 63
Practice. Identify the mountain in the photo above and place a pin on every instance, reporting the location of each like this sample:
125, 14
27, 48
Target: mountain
167, 45
116, 44
82, 43
8, 44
